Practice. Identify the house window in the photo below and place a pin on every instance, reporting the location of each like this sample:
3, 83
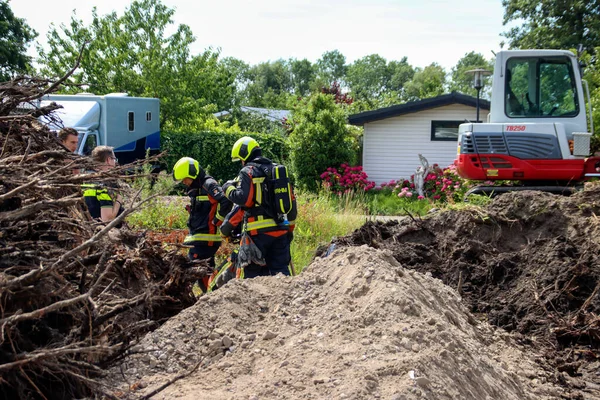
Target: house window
131, 121
445, 130
148, 116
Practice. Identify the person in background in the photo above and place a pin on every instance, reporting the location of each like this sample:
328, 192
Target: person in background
272, 237
101, 200
208, 208
69, 138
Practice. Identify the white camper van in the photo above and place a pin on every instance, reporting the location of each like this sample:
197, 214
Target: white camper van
129, 124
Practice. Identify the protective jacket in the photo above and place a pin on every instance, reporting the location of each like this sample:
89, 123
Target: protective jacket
248, 194
208, 208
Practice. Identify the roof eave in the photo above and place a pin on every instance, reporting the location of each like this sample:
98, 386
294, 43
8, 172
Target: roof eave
416, 106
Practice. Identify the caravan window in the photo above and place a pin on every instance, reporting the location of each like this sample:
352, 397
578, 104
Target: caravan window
148, 116
131, 121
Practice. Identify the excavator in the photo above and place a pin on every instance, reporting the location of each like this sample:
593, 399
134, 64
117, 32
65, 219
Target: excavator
536, 134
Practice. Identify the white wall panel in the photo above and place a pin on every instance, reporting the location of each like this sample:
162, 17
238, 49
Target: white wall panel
391, 146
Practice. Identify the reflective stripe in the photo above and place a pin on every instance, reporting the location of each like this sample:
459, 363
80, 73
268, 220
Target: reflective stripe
202, 237
229, 190
258, 182
89, 189
265, 223
103, 196
201, 198
100, 194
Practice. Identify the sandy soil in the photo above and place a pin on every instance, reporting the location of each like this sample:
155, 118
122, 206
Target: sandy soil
496, 303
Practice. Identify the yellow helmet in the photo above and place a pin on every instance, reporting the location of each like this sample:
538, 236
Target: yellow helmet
186, 167
243, 148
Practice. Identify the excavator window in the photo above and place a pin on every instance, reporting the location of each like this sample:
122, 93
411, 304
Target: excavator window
540, 88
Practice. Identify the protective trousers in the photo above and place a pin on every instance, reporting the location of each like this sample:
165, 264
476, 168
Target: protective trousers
203, 253
276, 252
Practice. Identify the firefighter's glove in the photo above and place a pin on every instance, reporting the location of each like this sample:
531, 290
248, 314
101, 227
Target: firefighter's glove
188, 208
225, 230
225, 233
224, 278
228, 187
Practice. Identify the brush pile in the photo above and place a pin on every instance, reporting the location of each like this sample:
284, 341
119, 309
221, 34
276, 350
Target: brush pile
74, 294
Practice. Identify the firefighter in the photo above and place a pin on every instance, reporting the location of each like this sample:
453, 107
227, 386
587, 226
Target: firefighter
208, 208
271, 235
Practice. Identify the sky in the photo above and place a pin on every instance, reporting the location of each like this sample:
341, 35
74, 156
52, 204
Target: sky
424, 31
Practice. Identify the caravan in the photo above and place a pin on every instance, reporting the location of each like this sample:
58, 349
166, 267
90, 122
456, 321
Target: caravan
128, 124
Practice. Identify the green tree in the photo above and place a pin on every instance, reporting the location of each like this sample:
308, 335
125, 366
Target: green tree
319, 139
553, 24
132, 53
270, 85
592, 76
427, 82
400, 73
331, 67
368, 77
303, 74
15, 35
462, 82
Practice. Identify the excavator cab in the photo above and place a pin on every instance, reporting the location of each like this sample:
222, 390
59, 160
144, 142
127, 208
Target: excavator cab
537, 129
538, 87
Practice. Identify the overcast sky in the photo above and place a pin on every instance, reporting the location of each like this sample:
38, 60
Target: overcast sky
424, 31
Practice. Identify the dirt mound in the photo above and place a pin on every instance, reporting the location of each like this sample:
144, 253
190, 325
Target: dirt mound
528, 263
353, 325
482, 303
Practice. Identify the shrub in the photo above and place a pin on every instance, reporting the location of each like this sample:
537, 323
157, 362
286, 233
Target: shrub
212, 149
320, 138
440, 185
345, 178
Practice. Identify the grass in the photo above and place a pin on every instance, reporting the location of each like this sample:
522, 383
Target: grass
166, 212
320, 219
387, 203
160, 214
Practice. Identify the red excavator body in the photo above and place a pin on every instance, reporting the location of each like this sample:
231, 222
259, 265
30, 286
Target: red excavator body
537, 129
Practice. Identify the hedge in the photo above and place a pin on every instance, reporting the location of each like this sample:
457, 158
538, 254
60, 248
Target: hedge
213, 150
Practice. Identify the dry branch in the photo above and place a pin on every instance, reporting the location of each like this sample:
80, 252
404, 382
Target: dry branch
74, 295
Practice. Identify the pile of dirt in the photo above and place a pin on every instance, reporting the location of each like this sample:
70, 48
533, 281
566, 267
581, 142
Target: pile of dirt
494, 303
529, 263
353, 325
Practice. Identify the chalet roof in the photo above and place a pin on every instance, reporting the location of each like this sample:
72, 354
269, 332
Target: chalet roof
271, 114
416, 106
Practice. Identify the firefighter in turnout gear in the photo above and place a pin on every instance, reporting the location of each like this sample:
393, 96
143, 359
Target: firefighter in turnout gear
263, 220
208, 208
